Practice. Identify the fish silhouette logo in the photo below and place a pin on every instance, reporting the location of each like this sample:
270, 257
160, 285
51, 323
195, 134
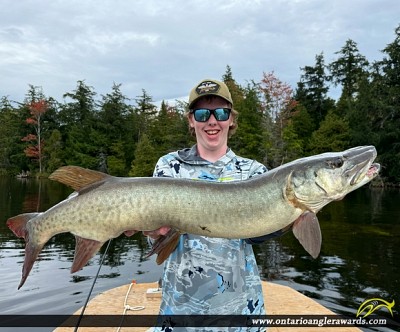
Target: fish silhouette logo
371, 305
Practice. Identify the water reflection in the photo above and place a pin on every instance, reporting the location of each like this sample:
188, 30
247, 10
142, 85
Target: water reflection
359, 255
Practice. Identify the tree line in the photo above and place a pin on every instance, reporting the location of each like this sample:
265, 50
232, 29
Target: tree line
277, 124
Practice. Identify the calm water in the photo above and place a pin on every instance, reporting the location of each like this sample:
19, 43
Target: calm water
359, 257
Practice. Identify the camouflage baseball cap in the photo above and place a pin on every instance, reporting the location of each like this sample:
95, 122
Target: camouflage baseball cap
209, 87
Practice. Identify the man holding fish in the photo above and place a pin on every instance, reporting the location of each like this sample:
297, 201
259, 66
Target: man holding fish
208, 275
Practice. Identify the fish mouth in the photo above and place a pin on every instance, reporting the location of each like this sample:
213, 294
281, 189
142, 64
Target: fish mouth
365, 173
362, 168
373, 170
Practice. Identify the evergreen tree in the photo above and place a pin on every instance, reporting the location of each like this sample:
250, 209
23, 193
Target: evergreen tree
298, 132
81, 109
332, 135
312, 90
113, 125
54, 150
12, 158
84, 143
235, 89
363, 120
251, 139
170, 130
113, 113
387, 79
145, 158
348, 69
293, 147
116, 161
146, 111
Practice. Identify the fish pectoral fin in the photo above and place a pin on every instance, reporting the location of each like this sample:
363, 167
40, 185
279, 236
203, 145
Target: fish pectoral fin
306, 229
164, 245
85, 249
77, 177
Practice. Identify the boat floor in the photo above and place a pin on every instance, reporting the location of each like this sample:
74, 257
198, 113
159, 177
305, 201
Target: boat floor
279, 300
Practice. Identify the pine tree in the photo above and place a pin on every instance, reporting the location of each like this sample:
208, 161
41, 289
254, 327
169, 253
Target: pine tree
251, 138
113, 125
312, 90
145, 158
12, 159
84, 143
387, 82
332, 135
54, 150
348, 69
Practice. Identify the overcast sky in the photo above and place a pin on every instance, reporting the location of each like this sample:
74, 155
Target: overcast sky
166, 47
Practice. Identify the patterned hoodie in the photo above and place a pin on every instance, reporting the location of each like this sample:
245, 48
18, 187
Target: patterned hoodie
204, 275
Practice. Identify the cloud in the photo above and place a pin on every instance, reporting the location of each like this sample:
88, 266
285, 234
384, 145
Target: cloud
165, 47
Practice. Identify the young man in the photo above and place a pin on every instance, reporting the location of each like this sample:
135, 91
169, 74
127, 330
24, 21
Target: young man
210, 276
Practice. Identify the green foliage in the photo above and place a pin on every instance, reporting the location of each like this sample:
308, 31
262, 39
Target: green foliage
275, 124
117, 131
145, 158
348, 69
251, 137
10, 137
84, 140
293, 145
303, 126
332, 135
55, 152
116, 159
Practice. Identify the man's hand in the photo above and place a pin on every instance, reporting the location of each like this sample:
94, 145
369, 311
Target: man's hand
155, 234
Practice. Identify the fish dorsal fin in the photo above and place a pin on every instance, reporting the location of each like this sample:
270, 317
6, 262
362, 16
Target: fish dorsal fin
77, 177
306, 230
85, 249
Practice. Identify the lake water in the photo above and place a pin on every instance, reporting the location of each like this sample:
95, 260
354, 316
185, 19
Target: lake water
359, 259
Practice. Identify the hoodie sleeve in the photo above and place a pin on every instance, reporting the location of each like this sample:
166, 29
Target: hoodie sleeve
257, 169
164, 167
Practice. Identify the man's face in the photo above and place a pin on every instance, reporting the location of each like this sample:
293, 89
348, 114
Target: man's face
211, 135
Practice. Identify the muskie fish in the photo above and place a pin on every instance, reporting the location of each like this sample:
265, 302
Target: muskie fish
105, 206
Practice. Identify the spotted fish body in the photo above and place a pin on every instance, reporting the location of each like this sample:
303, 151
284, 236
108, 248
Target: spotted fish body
104, 206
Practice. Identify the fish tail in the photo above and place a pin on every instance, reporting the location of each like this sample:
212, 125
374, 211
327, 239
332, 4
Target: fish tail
18, 225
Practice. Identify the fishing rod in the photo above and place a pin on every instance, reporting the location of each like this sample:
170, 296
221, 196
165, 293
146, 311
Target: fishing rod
91, 289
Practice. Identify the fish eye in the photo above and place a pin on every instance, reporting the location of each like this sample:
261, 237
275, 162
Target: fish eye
336, 163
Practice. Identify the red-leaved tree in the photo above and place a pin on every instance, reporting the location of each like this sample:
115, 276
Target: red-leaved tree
35, 147
278, 96
279, 104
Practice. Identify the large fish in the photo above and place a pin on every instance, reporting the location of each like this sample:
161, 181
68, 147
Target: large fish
104, 206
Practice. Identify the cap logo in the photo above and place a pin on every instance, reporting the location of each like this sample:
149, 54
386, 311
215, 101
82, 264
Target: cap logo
207, 87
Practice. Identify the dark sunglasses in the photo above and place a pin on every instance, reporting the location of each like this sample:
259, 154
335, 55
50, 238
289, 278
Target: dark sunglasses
203, 114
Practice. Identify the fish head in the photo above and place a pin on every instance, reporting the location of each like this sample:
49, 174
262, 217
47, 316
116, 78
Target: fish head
321, 179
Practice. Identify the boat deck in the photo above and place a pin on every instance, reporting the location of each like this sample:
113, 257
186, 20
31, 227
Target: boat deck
279, 300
